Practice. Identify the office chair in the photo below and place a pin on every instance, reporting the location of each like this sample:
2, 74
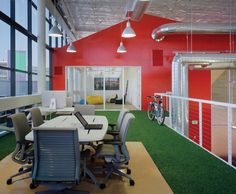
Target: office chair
36, 116
115, 128
57, 158
23, 153
115, 153
85, 109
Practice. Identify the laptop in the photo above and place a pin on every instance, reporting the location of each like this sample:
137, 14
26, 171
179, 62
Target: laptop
85, 123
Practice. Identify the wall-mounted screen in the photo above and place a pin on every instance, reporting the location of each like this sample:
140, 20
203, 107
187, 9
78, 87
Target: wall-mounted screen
111, 83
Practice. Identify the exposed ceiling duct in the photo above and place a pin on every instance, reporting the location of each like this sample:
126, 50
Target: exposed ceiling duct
159, 33
139, 8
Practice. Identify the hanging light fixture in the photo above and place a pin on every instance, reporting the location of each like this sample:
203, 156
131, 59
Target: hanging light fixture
71, 48
54, 31
121, 48
128, 31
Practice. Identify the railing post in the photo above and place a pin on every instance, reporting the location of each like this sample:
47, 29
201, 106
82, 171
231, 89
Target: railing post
229, 135
200, 123
182, 116
170, 111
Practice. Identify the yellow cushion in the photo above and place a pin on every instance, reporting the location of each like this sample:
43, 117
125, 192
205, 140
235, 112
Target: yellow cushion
94, 99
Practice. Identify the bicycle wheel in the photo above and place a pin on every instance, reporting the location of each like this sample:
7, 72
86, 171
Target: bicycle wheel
151, 112
160, 117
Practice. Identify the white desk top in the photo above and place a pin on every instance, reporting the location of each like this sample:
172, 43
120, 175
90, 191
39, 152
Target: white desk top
65, 109
73, 122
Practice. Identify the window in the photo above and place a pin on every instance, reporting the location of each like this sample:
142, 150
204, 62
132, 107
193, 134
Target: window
5, 83
21, 83
21, 12
21, 52
34, 21
34, 84
34, 57
47, 62
5, 7
4, 45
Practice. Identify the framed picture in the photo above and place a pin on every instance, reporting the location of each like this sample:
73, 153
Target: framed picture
111, 83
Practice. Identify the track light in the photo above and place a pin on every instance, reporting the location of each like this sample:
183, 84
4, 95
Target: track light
121, 48
128, 31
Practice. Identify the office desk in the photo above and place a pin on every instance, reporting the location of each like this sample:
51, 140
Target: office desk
47, 111
72, 122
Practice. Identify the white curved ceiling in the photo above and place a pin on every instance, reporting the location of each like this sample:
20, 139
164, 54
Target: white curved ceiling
90, 16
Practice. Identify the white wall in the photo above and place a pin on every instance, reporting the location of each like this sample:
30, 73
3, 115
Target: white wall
132, 74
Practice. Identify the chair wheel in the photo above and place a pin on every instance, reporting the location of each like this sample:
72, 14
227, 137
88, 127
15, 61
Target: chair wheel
102, 186
33, 186
128, 171
9, 181
20, 169
131, 182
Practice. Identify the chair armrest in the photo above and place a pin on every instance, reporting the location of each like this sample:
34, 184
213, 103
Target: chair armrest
113, 132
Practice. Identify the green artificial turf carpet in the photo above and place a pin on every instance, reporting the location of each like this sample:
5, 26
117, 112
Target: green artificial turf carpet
187, 168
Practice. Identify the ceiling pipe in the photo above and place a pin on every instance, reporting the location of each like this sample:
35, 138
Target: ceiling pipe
158, 34
139, 8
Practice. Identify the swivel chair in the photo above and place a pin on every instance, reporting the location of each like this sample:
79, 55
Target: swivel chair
57, 158
36, 115
115, 153
23, 153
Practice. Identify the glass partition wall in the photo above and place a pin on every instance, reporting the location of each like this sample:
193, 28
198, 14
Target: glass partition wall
108, 88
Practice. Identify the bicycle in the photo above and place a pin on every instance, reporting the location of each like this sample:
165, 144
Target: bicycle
156, 110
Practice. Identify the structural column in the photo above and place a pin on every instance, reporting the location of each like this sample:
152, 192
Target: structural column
41, 47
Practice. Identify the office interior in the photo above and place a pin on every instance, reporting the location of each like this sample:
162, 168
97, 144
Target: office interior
111, 55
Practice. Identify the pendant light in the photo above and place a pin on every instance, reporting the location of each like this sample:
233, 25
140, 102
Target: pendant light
71, 48
121, 48
128, 31
54, 31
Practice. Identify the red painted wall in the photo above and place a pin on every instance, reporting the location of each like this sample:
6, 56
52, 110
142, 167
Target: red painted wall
100, 50
200, 87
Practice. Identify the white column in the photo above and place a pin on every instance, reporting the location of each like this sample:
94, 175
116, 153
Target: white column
41, 47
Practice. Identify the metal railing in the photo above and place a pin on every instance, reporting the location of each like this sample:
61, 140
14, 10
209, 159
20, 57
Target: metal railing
209, 124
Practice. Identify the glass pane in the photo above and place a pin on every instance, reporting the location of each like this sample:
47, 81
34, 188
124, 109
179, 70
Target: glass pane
5, 83
47, 30
34, 84
21, 52
5, 7
21, 12
94, 86
35, 2
48, 80
34, 21
113, 88
4, 45
34, 57
21, 83
47, 62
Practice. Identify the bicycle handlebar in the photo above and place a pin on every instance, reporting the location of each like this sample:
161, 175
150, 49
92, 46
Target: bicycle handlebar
156, 96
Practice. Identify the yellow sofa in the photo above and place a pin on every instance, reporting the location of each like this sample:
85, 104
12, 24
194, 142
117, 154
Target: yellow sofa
94, 99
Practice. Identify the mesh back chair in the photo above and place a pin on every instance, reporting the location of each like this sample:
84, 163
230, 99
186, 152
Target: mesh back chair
115, 153
37, 118
57, 157
23, 153
85, 109
115, 128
